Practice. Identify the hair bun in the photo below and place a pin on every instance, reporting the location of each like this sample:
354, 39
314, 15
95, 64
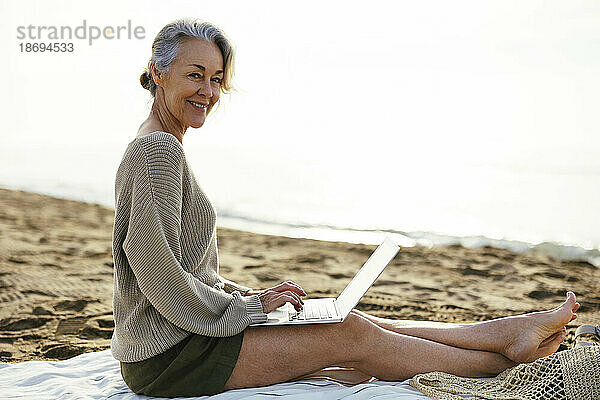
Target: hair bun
145, 80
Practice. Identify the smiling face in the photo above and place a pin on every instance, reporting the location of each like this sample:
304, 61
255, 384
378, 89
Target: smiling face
192, 85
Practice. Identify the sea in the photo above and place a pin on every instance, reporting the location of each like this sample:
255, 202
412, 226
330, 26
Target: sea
355, 194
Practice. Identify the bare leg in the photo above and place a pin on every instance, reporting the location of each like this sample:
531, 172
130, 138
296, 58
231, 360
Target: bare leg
510, 336
277, 354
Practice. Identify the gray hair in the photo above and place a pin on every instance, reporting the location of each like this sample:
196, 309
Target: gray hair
166, 46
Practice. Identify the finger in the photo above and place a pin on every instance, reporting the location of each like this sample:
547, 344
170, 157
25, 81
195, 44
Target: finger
292, 298
292, 284
279, 301
266, 299
275, 288
295, 285
295, 299
293, 294
273, 300
289, 285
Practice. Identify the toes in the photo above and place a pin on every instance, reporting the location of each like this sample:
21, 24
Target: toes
571, 301
574, 310
569, 306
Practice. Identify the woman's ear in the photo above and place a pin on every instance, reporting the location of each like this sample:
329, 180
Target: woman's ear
156, 76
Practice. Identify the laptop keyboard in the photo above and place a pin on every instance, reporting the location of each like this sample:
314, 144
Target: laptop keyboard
313, 310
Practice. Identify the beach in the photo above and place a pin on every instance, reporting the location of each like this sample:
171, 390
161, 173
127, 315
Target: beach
56, 277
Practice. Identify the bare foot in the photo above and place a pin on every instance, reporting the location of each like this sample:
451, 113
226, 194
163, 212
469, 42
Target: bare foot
535, 335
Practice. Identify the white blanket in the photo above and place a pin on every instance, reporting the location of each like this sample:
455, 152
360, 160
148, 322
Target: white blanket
97, 376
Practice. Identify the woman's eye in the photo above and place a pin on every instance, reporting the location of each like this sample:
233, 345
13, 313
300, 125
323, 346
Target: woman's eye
218, 80
195, 75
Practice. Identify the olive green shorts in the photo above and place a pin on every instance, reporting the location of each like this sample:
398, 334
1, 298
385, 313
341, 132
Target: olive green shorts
196, 366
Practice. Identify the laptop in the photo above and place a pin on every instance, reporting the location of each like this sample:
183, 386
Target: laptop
329, 310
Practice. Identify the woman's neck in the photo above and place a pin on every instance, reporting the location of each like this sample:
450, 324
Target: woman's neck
160, 119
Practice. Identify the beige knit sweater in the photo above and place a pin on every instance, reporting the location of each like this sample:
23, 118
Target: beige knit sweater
166, 263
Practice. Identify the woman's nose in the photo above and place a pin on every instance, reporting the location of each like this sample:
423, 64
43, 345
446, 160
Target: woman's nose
205, 89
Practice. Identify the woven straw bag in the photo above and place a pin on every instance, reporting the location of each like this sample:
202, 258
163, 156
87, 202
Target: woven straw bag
566, 375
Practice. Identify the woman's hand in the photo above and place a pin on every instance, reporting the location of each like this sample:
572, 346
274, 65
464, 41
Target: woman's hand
285, 292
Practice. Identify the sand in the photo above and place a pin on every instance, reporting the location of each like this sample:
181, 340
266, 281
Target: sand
56, 277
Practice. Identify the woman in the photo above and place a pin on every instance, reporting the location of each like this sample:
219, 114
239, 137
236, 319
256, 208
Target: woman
182, 330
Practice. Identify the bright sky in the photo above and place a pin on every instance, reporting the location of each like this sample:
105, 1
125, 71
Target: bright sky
483, 80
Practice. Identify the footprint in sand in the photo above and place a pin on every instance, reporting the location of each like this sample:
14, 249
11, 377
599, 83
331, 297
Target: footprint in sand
340, 276
386, 282
41, 310
472, 271
106, 323
590, 304
579, 263
508, 257
51, 265
91, 332
544, 294
61, 351
17, 260
73, 305
9, 324
552, 273
501, 267
95, 253
70, 325
469, 260
489, 254
467, 297
417, 287
254, 266
451, 307
314, 258
267, 277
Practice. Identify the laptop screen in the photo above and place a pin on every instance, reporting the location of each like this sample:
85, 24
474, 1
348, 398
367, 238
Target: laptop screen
369, 272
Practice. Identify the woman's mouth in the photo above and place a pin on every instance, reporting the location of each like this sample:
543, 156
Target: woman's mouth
198, 106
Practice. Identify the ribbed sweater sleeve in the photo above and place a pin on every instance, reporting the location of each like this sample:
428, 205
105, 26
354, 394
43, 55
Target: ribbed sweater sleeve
230, 286
153, 251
